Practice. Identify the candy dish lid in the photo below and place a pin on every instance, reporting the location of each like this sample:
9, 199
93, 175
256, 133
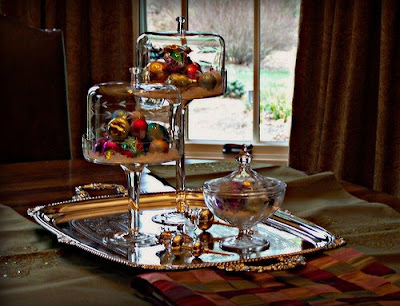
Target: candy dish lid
244, 181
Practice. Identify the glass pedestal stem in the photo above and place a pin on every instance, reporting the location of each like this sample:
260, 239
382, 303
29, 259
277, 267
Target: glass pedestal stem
245, 242
178, 217
133, 236
133, 181
181, 206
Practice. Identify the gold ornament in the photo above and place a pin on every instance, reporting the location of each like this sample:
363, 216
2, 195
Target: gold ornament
118, 128
157, 72
179, 80
208, 81
178, 246
197, 249
158, 146
205, 219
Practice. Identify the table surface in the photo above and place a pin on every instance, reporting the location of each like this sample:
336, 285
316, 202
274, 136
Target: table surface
24, 185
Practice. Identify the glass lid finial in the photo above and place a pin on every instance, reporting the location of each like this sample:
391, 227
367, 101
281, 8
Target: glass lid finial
244, 156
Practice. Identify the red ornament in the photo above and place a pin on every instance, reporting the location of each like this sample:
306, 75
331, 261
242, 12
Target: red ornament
111, 145
139, 146
139, 128
128, 153
193, 71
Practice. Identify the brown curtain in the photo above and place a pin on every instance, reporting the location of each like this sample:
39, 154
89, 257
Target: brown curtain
346, 105
98, 38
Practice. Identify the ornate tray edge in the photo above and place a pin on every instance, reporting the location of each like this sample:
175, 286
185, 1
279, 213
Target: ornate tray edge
282, 262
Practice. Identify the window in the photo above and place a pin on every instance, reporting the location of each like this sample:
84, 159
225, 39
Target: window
261, 43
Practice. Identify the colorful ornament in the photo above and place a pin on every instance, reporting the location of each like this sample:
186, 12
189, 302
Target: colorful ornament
118, 128
111, 146
99, 144
157, 72
135, 146
139, 128
120, 113
197, 249
217, 76
175, 58
193, 71
139, 147
158, 146
208, 81
179, 80
178, 56
156, 131
128, 153
129, 144
176, 244
156, 53
205, 219
172, 64
108, 154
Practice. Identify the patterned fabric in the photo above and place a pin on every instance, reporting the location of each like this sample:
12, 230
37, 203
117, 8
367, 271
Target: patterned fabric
338, 277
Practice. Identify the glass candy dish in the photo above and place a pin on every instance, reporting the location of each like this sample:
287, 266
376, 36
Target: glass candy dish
132, 125
194, 62
243, 199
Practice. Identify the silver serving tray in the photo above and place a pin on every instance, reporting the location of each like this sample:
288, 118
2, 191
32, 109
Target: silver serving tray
83, 222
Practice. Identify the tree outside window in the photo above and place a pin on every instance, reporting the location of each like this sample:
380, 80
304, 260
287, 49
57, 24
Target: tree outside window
230, 118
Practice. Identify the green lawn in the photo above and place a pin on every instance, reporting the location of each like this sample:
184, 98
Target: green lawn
268, 78
275, 89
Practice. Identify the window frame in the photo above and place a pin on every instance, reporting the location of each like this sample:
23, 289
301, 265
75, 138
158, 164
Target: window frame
267, 151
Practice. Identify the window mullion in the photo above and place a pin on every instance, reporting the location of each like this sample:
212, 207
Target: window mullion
185, 13
256, 74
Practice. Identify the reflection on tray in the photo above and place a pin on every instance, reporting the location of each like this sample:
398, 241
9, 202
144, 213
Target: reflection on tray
85, 223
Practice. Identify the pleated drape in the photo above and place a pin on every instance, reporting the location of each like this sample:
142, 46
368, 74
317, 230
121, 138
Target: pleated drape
98, 37
346, 104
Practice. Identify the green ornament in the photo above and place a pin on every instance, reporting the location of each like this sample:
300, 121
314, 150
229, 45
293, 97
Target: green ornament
130, 144
178, 57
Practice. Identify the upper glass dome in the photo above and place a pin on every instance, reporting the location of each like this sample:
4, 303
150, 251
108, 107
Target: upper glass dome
192, 61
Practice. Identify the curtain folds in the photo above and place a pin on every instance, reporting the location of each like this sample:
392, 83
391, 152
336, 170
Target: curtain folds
98, 37
346, 104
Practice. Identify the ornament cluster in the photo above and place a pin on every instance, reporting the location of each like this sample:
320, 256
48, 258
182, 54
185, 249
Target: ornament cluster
129, 134
173, 66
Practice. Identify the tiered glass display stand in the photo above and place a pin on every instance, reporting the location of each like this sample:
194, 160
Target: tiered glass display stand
194, 63
133, 125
